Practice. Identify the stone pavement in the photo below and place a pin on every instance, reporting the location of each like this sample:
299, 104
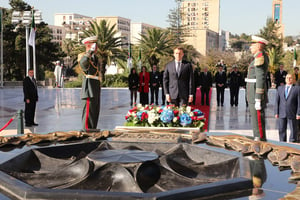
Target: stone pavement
60, 110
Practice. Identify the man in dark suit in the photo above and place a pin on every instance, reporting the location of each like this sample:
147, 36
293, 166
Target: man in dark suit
30, 98
280, 76
90, 91
235, 78
154, 84
287, 109
206, 83
179, 80
220, 79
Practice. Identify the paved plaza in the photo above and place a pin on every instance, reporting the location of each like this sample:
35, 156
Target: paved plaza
60, 110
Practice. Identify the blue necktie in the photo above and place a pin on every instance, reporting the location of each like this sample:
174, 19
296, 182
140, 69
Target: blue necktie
287, 91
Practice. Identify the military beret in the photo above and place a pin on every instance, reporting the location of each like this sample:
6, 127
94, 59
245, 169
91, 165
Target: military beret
91, 39
257, 39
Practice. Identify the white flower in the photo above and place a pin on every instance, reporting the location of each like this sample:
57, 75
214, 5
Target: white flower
152, 117
175, 120
188, 109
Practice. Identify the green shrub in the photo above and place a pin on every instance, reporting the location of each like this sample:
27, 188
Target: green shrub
116, 80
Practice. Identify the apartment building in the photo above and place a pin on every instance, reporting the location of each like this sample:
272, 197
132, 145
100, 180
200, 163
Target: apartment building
73, 24
201, 17
122, 27
138, 29
58, 33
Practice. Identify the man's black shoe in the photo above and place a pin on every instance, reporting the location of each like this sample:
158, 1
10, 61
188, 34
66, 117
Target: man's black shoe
35, 124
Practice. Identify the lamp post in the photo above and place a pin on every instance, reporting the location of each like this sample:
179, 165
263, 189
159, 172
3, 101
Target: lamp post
25, 18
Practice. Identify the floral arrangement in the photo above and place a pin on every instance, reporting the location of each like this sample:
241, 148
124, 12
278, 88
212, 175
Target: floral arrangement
165, 116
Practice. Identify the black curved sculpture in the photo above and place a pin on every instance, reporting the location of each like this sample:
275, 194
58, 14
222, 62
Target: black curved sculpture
131, 170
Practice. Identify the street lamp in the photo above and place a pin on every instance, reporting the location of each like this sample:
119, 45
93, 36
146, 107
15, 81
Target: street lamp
25, 18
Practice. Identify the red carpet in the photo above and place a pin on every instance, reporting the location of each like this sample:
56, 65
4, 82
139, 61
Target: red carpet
205, 109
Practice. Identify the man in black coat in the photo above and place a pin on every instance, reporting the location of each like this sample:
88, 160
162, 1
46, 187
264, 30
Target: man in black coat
30, 98
154, 84
220, 79
179, 80
280, 76
234, 85
287, 109
206, 84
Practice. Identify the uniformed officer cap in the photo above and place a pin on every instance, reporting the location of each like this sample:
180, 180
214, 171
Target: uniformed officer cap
257, 39
91, 39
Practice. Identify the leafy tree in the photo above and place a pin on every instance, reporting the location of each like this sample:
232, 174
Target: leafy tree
71, 49
155, 44
15, 45
289, 40
108, 44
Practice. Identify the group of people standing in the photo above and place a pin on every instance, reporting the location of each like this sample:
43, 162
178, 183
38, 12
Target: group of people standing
145, 82
176, 81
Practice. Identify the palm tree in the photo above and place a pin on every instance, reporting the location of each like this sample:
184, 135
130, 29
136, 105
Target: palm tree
70, 48
108, 43
155, 44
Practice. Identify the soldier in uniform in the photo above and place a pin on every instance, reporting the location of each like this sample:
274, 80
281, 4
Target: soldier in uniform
256, 87
90, 93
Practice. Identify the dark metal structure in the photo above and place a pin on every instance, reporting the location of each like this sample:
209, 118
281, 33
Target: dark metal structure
127, 170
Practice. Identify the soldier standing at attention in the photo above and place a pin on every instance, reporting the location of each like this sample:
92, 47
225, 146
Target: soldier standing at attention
256, 87
90, 93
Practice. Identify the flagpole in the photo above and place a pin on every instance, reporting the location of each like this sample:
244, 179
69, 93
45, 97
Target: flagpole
27, 50
1, 56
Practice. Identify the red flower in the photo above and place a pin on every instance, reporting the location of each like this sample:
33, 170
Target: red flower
176, 112
144, 116
160, 111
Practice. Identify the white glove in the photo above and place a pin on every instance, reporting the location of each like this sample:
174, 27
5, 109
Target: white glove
257, 105
93, 47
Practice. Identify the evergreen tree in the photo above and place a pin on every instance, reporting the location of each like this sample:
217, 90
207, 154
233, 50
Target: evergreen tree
275, 46
176, 27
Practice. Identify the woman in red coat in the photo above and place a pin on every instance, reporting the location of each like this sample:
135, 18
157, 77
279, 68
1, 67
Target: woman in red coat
144, 79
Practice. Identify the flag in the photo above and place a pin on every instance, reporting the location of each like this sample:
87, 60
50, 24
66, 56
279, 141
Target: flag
295, 57
31, 41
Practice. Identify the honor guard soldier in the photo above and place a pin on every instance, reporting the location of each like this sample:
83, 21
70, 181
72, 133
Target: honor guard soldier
256, 87
90, 93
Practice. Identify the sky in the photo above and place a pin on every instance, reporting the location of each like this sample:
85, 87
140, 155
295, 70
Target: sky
236, 16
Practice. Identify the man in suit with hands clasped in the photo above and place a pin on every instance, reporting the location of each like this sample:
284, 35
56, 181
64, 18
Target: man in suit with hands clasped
287, 108
178, 80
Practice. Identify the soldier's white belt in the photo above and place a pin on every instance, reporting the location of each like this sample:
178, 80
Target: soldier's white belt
93, 77
250, 80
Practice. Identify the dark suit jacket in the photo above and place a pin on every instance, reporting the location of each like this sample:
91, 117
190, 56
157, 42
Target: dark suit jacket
280, 77
287, 107
220, 79
29, 90
206, 81
179, 86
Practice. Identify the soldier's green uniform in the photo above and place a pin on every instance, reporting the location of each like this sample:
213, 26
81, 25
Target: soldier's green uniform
257, 90
91, 90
